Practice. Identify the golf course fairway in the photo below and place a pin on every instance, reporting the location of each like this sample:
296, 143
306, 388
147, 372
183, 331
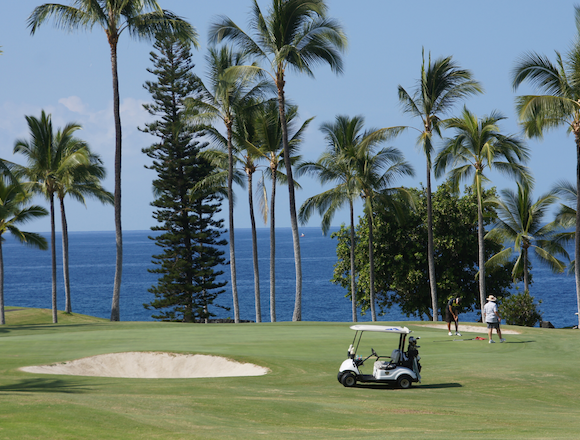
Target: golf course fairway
528, 387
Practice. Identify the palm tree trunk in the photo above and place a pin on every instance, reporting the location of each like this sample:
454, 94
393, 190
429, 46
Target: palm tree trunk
352, 268
231, 220
2, 317
430, 247
297, 315
273, 247
65, 268
481, 261
53, 258
372, 266
526, 276
577, 234
115, 313
254, 250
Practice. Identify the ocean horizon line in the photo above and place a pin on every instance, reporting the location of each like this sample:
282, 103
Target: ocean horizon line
149, 230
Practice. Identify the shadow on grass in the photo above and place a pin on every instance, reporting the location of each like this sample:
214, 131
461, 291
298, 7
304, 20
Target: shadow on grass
439, 385
517, 342
394, 387
26, 327
43, 386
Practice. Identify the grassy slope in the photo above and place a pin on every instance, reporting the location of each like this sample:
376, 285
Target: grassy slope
527, 388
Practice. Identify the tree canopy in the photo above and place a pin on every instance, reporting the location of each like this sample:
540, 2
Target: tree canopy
402, 276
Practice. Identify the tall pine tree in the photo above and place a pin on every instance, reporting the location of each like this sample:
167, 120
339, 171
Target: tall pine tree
189, 233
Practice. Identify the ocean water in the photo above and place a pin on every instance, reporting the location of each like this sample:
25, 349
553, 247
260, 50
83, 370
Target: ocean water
92, 267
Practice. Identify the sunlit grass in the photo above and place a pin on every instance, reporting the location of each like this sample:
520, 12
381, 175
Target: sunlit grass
525, 388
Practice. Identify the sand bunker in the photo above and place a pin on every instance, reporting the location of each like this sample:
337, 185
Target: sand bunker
470, 328
151, 366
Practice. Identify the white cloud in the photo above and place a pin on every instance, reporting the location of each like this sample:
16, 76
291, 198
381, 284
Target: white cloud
74, 104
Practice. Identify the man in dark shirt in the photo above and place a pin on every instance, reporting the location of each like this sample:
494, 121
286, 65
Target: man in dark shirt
452, 314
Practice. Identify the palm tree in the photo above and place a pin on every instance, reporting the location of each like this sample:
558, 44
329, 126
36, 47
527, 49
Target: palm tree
225, 99
295, 34
566, 214
14, 212
143, 19
441, 85
565, 218
81, 181
330, 167
477, 145
220, 158
521, 222
351, 161
49, 158
557, 105
267, 145
250, 167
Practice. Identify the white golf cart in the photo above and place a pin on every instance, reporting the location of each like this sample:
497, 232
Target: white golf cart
402, 368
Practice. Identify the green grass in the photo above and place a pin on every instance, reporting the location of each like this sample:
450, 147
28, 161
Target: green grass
526, 388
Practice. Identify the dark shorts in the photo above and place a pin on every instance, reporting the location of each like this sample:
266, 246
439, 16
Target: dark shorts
449, 317
493, 325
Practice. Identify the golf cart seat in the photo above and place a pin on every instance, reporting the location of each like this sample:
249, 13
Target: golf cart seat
382, 365
396, 356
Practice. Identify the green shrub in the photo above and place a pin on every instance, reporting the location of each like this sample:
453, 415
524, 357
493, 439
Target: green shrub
520, 309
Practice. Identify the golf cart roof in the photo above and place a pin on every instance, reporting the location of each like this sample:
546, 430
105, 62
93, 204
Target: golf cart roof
380, 328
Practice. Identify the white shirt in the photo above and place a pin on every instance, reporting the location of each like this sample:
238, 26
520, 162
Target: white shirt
490, 310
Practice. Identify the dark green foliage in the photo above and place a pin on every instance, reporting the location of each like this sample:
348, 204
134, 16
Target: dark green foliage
401, 256
189, 235
520, 310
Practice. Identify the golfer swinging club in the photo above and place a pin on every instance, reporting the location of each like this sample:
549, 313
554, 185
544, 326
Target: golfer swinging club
452, 314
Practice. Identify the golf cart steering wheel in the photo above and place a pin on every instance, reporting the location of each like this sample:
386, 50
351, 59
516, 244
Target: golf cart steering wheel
374, 353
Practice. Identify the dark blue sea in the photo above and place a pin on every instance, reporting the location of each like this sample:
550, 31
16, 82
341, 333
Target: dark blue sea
92, 268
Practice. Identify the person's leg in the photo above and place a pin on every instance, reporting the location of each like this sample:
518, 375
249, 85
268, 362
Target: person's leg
489, 329
499, 334
448, 320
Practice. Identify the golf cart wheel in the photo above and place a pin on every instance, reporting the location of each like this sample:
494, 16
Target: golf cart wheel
404, 382
339, 377
348, 379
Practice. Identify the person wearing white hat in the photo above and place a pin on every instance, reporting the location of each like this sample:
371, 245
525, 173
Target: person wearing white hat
492, 318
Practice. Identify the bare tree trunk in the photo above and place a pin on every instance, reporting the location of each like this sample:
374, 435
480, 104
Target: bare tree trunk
526, 276
273, 247
352, 268
577, 235
254, 250
2, 317
481, 261
231, 220
372, 266
115, 312
430, 248
53, 258
65, 265
297, 315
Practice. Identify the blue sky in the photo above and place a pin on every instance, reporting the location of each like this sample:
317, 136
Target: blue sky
69, 76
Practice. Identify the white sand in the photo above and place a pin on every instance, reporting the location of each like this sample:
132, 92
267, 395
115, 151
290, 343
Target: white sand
151, 366
469, 328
